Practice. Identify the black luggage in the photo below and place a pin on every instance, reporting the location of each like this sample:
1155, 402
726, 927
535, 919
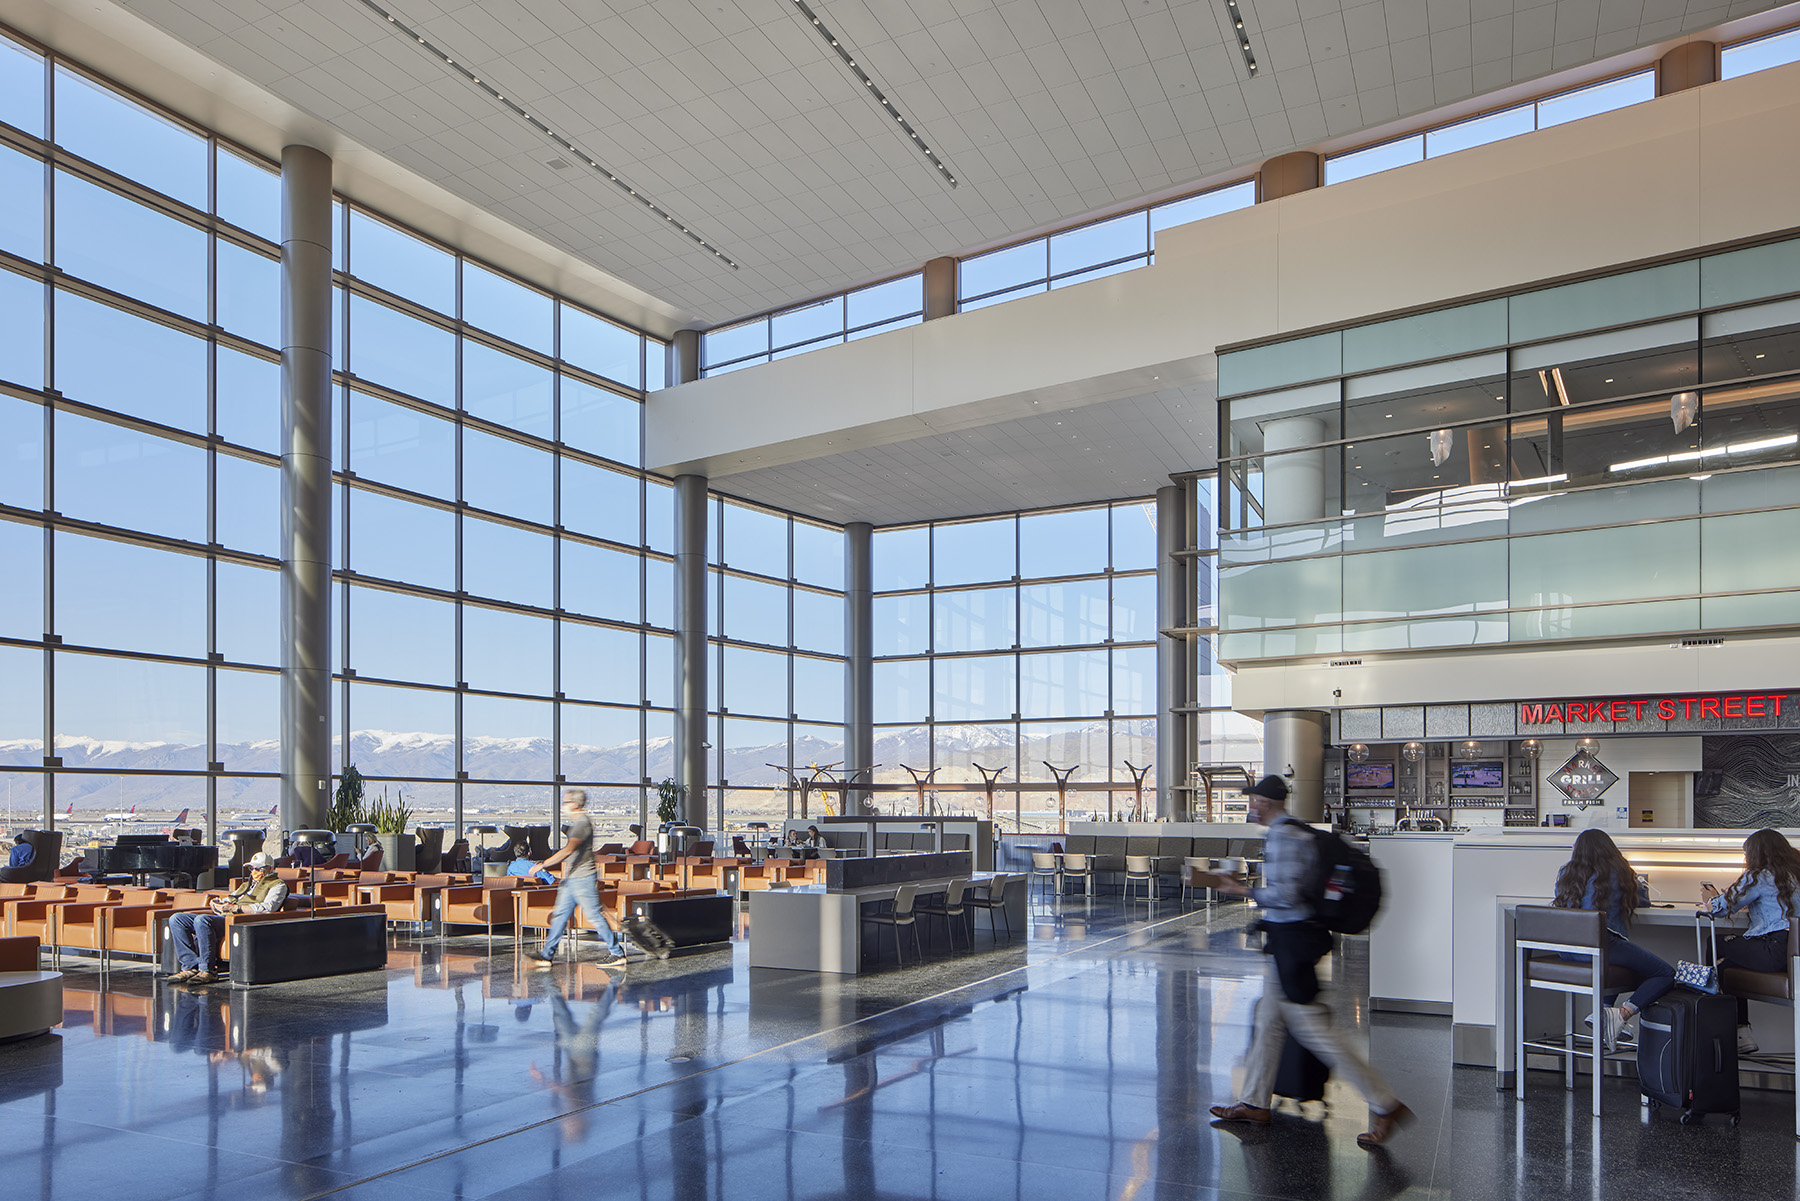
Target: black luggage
1300, 1074
1687, 1054
649, 936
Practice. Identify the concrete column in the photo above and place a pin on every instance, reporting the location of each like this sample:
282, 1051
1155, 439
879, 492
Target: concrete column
940, 288
1293, 484
305, 491
690, 647
1171, 655
684, 356
1294, 748
859, 650
1284, 175
1687, 66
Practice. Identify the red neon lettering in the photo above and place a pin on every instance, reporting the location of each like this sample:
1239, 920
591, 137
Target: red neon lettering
1687, 707
1577, 710
1553, 713
1619, 710
1532, 715
1775, 699
1638, 707
1665, 709
1753, 707
1734, 706
1709, 706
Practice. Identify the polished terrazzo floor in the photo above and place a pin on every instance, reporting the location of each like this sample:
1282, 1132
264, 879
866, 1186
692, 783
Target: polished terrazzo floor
1077, 1063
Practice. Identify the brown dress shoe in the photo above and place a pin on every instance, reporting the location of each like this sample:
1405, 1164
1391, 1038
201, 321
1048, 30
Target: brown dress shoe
183, 976
1382, 1128
201, 978
1241, 1112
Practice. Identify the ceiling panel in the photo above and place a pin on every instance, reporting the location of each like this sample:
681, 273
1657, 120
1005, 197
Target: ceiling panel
735, 115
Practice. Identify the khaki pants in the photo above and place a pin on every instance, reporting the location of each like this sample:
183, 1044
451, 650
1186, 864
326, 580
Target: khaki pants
1313, 1028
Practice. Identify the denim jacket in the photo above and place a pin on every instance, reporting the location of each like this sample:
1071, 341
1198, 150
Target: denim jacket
1616, 916
1768, 908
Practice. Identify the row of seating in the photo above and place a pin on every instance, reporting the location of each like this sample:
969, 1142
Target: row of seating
107, 921
952, 910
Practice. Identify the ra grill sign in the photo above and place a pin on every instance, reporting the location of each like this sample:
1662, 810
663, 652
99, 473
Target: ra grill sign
1583, 779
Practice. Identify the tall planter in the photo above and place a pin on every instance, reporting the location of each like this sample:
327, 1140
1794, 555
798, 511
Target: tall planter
399, 852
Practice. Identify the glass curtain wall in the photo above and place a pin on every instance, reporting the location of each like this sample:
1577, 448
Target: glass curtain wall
1017, 643
1613, 457
775, 611
503, 598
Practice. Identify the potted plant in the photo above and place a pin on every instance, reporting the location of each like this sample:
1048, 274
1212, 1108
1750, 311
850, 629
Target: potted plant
347, 807
399, 850
668, 805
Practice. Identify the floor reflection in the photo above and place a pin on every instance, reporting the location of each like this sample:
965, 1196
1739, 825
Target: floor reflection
1074, 1063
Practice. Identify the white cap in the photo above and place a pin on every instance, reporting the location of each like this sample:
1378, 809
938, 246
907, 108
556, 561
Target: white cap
261, 860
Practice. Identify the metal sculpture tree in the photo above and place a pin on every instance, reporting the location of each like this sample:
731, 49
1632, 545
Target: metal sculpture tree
1062, 775
990, 776
1137, 784
919, 783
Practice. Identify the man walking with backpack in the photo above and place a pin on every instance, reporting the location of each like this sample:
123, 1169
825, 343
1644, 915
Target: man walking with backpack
1295, 940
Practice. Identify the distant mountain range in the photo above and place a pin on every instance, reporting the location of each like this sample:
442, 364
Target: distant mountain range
432, 757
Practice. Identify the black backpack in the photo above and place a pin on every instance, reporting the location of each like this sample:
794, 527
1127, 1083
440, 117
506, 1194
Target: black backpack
1345, 888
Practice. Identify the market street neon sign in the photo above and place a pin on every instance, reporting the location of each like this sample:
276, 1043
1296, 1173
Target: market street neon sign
1685, 707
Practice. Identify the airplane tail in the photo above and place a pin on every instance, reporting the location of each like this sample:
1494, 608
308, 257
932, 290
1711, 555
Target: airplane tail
274, 807
70, 811
180, 817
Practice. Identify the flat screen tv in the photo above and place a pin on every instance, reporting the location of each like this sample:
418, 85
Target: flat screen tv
1370, 777
1479, 773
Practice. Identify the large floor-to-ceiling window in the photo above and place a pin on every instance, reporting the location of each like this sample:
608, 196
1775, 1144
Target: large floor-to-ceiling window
503, 599
1025, 643
776, 614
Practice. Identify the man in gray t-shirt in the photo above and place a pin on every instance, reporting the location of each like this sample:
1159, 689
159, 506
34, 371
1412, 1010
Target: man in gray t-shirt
580, 886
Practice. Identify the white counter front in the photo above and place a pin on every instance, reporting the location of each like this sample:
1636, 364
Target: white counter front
1410, 940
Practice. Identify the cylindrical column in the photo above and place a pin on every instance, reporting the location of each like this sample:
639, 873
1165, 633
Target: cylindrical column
1689, 65
940, 288
1294, 748
305, 491
1171, 654
1293, 482
859, 649
684, 356
690, 647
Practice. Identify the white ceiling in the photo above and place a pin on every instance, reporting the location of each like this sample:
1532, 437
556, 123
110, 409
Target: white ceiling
1105, 451
735, 117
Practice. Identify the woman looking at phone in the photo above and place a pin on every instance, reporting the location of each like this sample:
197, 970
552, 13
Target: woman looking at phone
1768, 890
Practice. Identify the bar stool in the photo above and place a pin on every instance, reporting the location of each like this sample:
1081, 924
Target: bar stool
1578, 931
1772, 988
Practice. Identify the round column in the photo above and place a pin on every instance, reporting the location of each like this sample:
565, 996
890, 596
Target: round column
1293, 482
1294, 748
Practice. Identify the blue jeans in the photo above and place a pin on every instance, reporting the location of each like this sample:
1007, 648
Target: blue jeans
1655, 975
583, 890
196, 938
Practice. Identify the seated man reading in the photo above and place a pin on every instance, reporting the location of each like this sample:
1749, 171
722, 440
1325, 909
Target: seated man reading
22, 852
197, 935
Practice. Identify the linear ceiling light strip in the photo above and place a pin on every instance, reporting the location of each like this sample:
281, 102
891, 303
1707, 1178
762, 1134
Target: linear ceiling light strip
1243, 36
519, 111
887, 106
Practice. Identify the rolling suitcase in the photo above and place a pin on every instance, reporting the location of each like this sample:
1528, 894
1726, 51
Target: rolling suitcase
1300, 1074
1687, 1054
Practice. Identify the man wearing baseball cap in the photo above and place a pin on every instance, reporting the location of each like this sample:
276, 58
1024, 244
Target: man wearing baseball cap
1294, 943
197, 935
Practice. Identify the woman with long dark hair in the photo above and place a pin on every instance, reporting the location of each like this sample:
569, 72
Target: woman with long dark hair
1598, 876
1768, 890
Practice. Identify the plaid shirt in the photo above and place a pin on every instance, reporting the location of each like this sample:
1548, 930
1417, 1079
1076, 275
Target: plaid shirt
1289, 857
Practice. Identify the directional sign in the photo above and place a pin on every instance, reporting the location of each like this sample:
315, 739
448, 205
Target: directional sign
1583, 779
